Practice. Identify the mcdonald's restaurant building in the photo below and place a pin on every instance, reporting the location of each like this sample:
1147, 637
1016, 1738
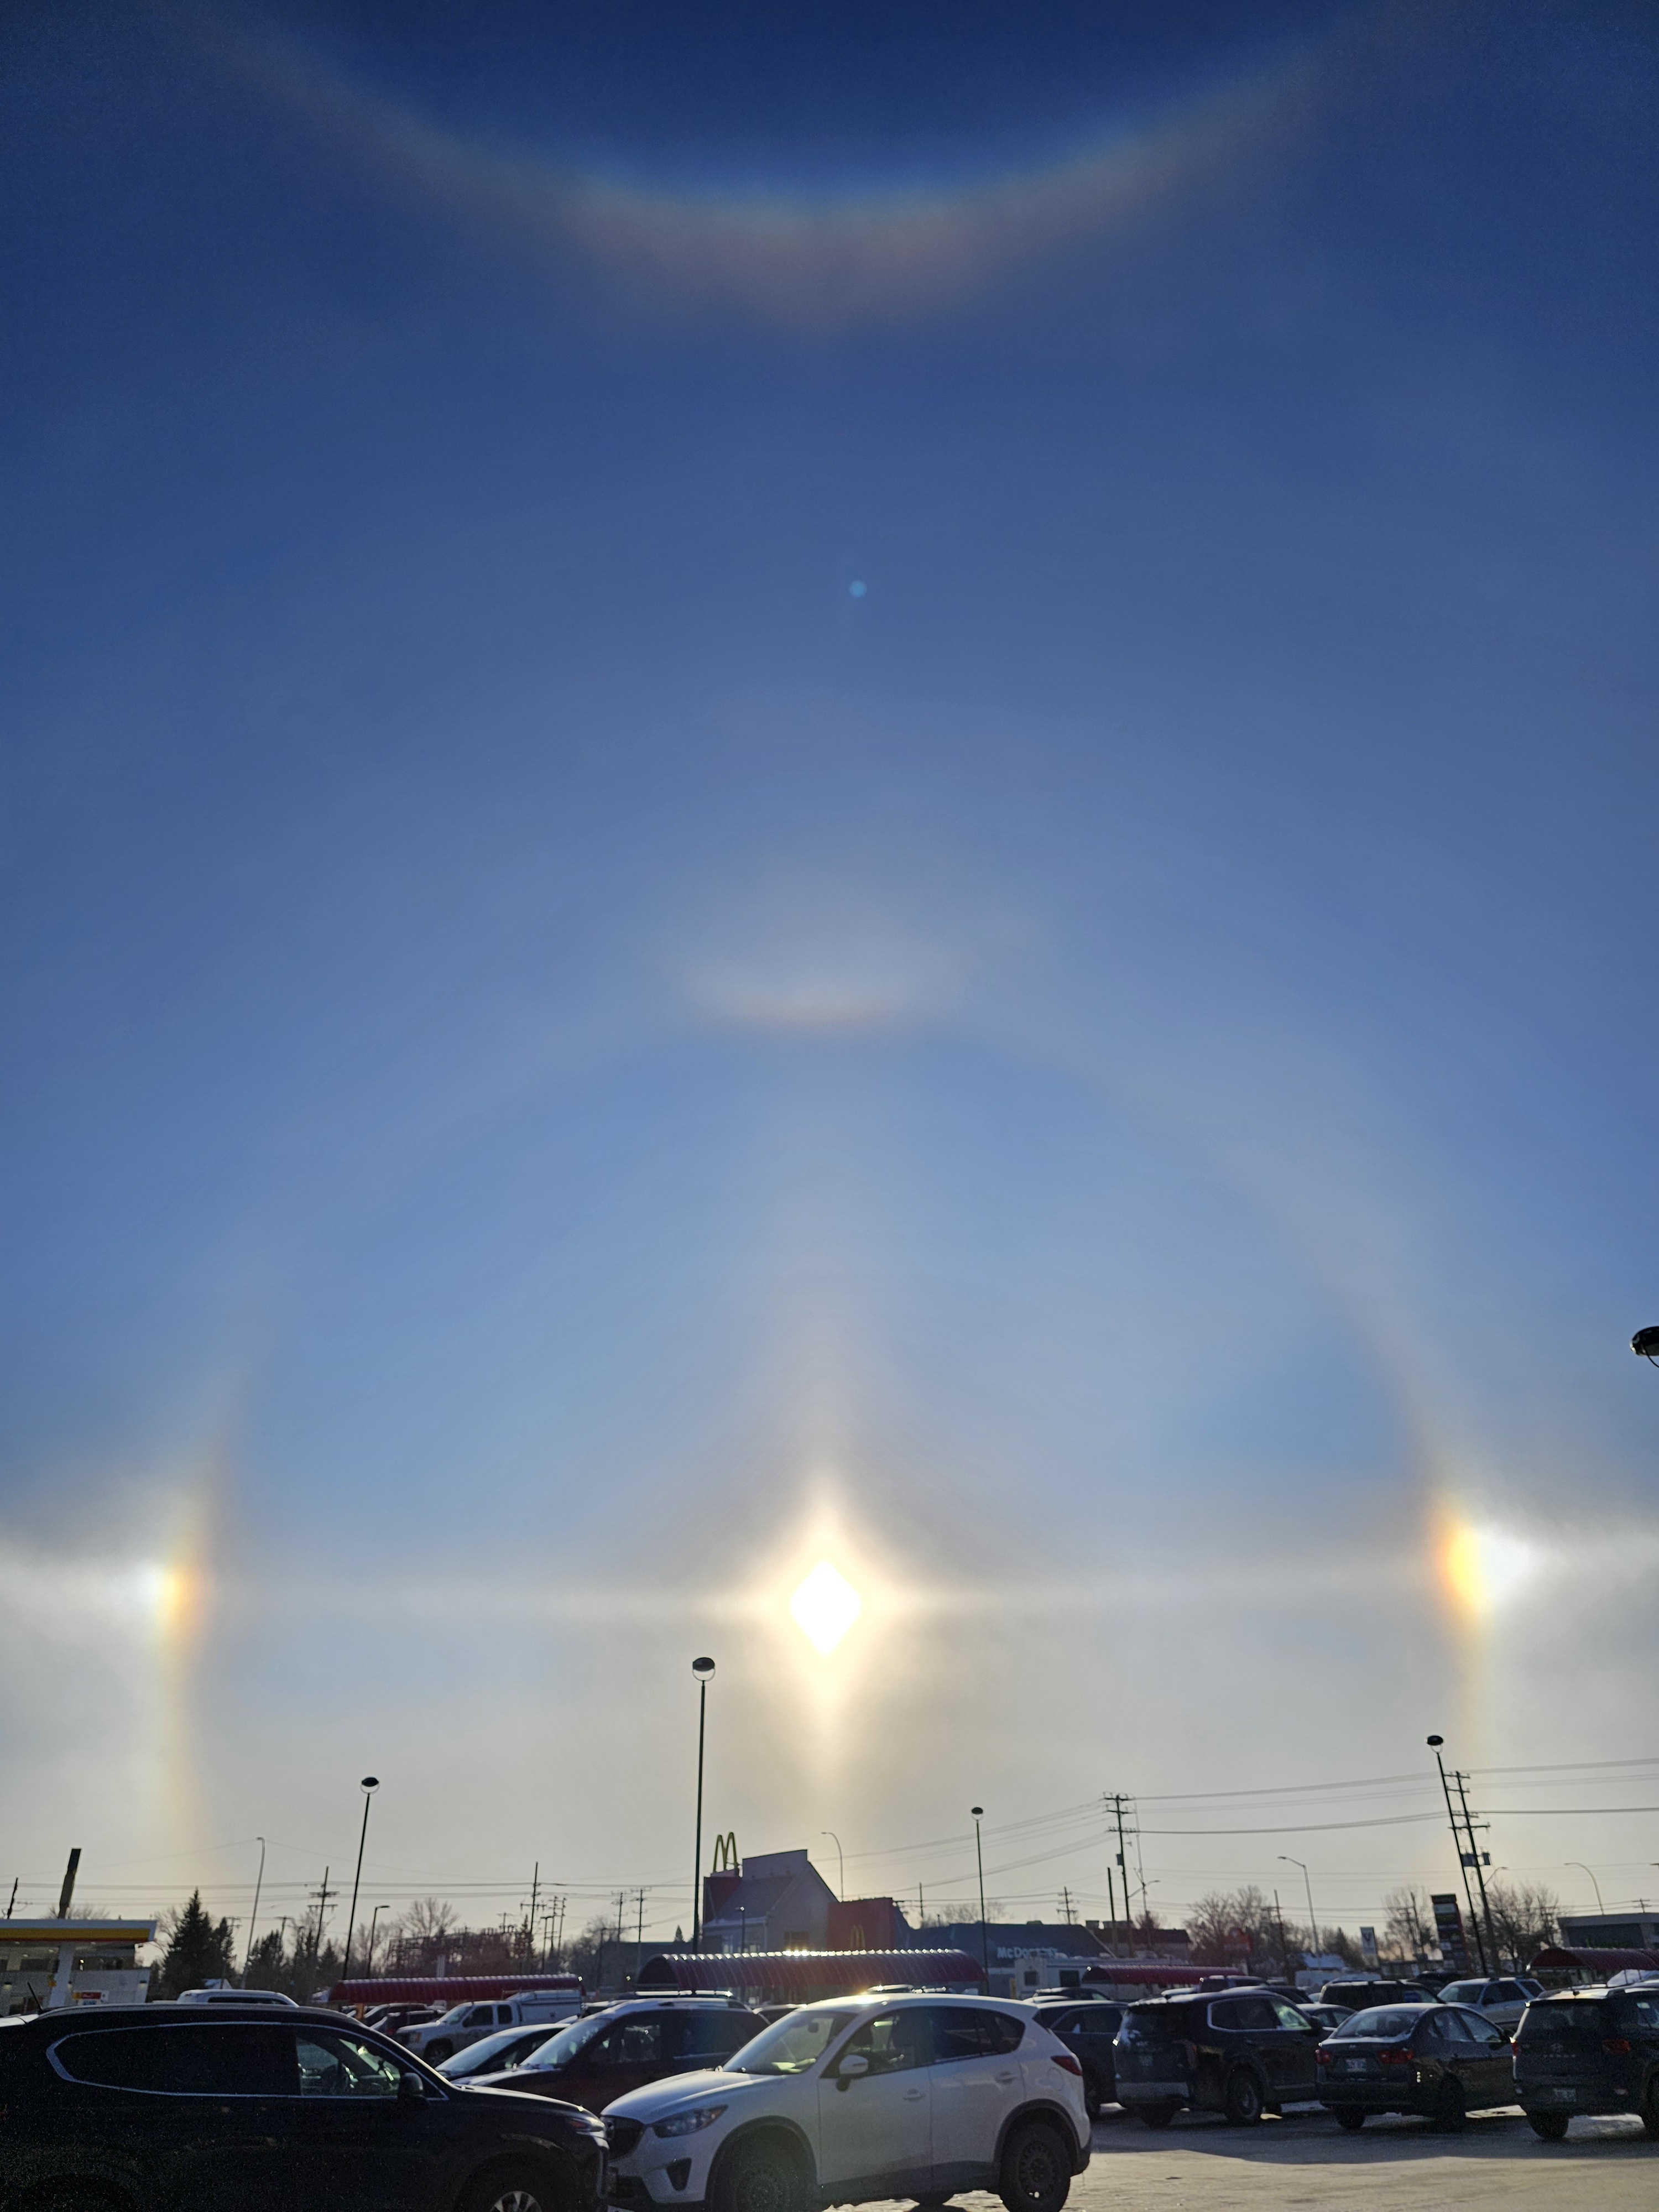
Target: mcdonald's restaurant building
779, 1901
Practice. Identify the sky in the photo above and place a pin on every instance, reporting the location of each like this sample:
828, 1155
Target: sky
865, 784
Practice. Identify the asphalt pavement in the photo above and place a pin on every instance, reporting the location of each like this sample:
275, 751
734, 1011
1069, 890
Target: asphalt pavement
1202, 2165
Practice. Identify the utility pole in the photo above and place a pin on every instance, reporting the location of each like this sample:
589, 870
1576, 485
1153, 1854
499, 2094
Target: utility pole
535, 1890
1066, 1905
639, 1929
322, 1909
1461, 1778
1115, 1801
14, 1880
1435, 1743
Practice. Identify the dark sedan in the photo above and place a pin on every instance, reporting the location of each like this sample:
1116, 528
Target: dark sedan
596, 2060
1441, 2061
152, 2109
1087, 2030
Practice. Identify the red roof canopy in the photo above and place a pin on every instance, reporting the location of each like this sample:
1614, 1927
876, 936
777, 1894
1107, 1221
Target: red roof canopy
1598, 1964
807, 1974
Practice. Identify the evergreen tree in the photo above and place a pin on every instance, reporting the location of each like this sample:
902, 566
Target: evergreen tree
198, 1949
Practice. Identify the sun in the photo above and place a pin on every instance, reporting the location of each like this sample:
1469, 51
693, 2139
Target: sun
825, 1606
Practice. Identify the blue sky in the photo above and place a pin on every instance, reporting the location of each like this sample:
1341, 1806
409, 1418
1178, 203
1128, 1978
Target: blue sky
564, 1062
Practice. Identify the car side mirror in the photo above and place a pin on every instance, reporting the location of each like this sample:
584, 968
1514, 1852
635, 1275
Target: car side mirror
851, 2069
411, 2090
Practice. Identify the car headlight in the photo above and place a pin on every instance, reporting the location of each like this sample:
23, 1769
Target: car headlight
689, 2124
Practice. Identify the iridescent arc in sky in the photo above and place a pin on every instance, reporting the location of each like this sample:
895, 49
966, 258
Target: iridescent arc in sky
809, 259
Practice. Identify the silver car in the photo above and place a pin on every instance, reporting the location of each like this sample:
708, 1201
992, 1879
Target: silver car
1502, 2001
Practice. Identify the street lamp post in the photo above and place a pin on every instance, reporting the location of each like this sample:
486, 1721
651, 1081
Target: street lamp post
373, 1922
258, 1884
1594, 1885
978, 1812
841, 1863
1313, 1925
702, 1669
369, 1785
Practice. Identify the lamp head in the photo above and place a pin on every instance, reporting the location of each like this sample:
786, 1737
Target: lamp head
1434, 1742
978, 1812
370, 1781
703, 1669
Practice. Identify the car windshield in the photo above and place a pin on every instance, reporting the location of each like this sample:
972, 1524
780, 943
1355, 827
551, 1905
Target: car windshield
568, 2044
1381, 2024
1469, 1993
792, 2045
1570, 2020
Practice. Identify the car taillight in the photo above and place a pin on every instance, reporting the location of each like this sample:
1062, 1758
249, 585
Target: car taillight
1395, 2057
1065, 2059
1617, 2047
1322, 2057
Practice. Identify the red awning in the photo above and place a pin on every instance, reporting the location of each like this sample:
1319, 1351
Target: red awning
1596, 1965
447, 1989
808, 1974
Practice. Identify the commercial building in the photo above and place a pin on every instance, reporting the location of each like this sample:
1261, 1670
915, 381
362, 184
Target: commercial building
45, 1964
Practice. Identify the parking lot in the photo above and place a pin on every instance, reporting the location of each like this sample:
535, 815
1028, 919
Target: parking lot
1304, 2159
1396, 2166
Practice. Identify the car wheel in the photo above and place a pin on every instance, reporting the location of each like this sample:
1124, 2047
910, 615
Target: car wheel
766, 2176
1242, 2103
1449, 2110
1037, 2170
1552, 2126
1351, 2118
1156, 2116
1091, 2101
508, 2189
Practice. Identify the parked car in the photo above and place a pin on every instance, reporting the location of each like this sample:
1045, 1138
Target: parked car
1326, 2018
1242, 2053
233, 1997
1589, 2051
1362, 1996
389, 2018
853, 2100
436, 2040
1087, 2030
268, 2109
597, 2059
1502, 2001
496, 2054
1440, 2061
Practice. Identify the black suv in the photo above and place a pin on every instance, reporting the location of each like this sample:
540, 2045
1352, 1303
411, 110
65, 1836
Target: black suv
151, 2109
1589, 2051
1087, 2030
1242, 2053
601, 2058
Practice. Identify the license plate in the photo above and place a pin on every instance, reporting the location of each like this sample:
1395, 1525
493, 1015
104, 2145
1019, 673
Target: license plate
1555, 2096
1356, 2066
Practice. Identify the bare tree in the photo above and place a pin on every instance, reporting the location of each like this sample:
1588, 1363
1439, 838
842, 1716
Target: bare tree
1524, 1919
1407, 1923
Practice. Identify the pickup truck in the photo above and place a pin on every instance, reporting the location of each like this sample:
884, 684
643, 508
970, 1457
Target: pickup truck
438, 2039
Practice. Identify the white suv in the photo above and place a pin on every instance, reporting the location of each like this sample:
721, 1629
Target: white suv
858, 2099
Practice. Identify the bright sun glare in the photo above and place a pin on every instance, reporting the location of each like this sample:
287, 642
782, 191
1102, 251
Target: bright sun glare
825, 1606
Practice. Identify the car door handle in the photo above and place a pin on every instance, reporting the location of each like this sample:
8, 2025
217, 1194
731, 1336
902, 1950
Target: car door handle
1006, 2077
913, 2096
